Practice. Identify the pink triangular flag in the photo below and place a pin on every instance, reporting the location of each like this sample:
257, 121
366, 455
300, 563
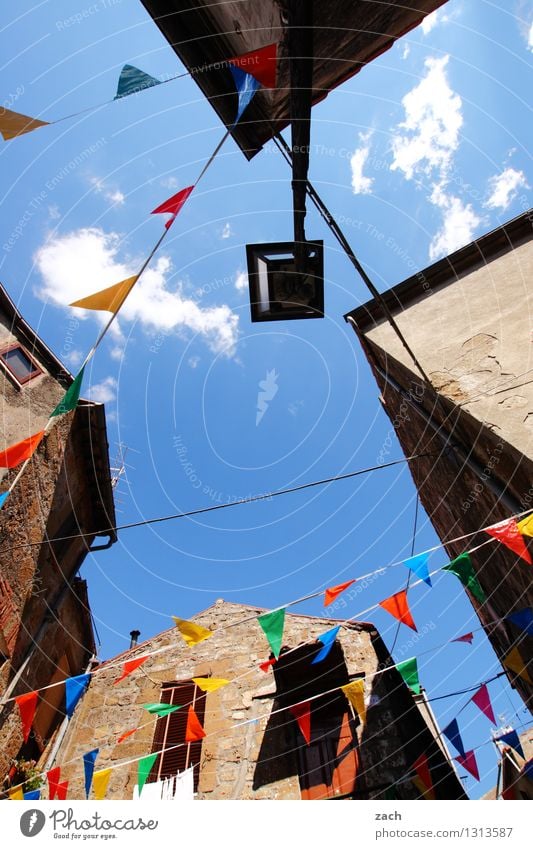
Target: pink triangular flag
466, 638
468, 762
482, 700
302, 715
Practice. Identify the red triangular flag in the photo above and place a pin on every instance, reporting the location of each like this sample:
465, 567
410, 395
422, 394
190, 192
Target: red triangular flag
126, 735
466, 638
62, 790
27, 704
173, 204
482, 700
16, 454
332, 592
265, 666
469, 763
508, 532
397, 605
53, 776
194, 730
260, 64
421, 768
302, 715
130, 666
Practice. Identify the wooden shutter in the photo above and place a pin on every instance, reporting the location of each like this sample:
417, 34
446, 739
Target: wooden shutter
170, 732
328, 765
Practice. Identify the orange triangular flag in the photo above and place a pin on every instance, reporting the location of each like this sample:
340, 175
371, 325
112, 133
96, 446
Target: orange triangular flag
508, 532
27, 704
397, 605
424, 782
332, 592
16, 454
194, 730
126, 735
515, 662
13, 124
130, 666
110, 299
302, 715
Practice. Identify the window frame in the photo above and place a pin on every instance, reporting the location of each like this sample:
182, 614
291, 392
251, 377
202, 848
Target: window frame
37, 370
163, 728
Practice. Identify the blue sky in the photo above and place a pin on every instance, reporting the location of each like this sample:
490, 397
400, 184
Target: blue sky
418, 154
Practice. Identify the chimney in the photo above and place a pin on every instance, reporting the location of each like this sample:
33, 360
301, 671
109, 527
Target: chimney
134, 638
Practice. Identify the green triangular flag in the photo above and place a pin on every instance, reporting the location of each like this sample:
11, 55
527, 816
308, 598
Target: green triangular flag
463, 569
71, 397
272, 625
161, 709
132, 80
408, 669
143, 770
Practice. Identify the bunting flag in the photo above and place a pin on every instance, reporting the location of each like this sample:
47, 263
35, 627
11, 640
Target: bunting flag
126, 735
267, 664
261, 64
523, 619
130, 666
397, 606
62, 790
302, 715
16, 794
355, 693
465, 638
525, 525
424, 783
194, 730
53, 776
143, 770
173, 205
13, 124
191, 633
408, 669
512, 739
468, 762
32, 794
110, 299
71, 397
133, 80
161, 709
209, 685
482, 700
419, 565
16, 454
246, 86
462, 568
74, 689
327, 639
272, 625
509, 534
100, 782
452, 733
27, 704
528, 769
333, 592
89, 759
3, 497
515, 662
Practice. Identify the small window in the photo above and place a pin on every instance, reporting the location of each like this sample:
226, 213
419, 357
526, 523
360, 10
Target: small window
170, 732
19, 364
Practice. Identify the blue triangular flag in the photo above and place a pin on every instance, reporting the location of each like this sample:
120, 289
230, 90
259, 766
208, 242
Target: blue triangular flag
524, 619
88, 767
74, 689
528, 769
452, 733
33, 794
419, 565
246, 86
132, 80
327, 639
3, 497
512, 740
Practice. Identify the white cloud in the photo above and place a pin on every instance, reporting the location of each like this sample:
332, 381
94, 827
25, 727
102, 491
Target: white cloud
74, 358
361, 185
226, 231
86, 260
429, 135
53, 212
430, 21
170, 183
193, 362
406, 50
241, 281
530, 38
103, 392
504, 188
458, 227
114, 196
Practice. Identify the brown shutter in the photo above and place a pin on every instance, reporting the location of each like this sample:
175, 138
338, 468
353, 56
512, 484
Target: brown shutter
170, 732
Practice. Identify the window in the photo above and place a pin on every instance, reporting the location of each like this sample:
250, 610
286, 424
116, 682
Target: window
19, 364
170, 732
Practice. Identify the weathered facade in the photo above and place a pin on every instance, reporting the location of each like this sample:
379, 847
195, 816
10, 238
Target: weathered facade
467, 320
253, 747
515, 773
45, 624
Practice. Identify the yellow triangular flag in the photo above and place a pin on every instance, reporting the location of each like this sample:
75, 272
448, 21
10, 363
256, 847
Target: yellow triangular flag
190, 632
515, 663
100, 782
13, 124
355, 693
16, 794
525, 525
110, 299
209, 685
